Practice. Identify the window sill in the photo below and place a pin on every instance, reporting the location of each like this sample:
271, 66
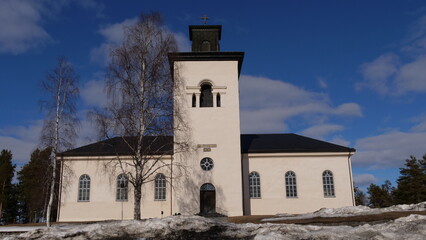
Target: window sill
329, 196
160, 200
118, 200
83, 200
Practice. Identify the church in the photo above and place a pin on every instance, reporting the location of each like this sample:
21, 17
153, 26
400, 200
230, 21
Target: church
227, 173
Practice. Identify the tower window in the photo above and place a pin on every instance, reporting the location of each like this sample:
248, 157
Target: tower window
205, 46
218, 104
194, 101
206, 96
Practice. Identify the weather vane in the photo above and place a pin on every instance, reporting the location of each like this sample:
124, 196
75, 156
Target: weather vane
204, 18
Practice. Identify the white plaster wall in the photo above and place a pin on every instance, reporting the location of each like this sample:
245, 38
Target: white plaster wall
211, 125
103, 204
308, 169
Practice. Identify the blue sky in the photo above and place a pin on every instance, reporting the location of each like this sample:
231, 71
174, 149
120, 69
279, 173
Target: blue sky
348, 72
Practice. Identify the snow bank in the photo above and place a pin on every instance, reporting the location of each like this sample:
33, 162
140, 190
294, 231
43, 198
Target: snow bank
350, 211
194, 227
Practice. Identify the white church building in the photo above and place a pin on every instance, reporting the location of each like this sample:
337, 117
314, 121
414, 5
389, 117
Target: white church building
229, 173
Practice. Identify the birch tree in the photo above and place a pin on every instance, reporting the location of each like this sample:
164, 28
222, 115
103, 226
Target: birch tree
140, 110
59, 129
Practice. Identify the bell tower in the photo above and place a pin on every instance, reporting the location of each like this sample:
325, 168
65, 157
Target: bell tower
209, 99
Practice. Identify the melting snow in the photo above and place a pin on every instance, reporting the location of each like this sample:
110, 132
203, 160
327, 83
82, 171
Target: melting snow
350, 211
194, 227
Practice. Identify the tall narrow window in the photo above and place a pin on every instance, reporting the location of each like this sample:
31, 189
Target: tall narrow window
84, 188
194, 101
206, 96
328, 183
160, 187
254, 185
290, 184
218, 100
122, 187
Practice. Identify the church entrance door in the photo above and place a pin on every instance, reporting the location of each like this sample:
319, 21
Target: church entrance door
207, 199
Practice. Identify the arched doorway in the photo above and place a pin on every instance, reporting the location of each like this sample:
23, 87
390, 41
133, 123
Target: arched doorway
207, 199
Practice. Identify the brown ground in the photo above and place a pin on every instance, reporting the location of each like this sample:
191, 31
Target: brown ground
352, 221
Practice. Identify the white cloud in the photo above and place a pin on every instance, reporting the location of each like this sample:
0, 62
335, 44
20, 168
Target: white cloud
93, 93
21, 140
364, 179
412, 76
389, 75
20, 26
184, 45
378, 72
322, 130
340, 141
267, 104
389, 149
114, 35
348, 109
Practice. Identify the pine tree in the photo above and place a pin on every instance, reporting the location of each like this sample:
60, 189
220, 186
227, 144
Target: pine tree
381, 196
34, 179
360, 198
6, 188
412, 181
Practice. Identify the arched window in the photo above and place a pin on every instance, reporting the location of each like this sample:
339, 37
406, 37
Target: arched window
122, 187
254, 185
206, 96
328, 183
84, 188
290, 184
205, 46
194, 101
160, 187
218, 100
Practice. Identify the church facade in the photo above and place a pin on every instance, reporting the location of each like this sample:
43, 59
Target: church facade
227, 173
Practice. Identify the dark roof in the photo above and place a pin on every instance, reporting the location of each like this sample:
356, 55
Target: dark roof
118, 146
250, 143
286, 143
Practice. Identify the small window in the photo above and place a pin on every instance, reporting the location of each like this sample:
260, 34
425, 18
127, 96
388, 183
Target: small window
84, 188
290, 184
218, 100
194, 101
206, 96
254, 185
206, 164
160, 187
328, 183
122, 187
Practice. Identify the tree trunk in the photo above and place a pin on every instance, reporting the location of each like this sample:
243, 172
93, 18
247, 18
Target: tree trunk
137, 206
52, 194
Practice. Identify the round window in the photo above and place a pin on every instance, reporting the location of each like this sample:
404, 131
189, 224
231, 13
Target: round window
206, 164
